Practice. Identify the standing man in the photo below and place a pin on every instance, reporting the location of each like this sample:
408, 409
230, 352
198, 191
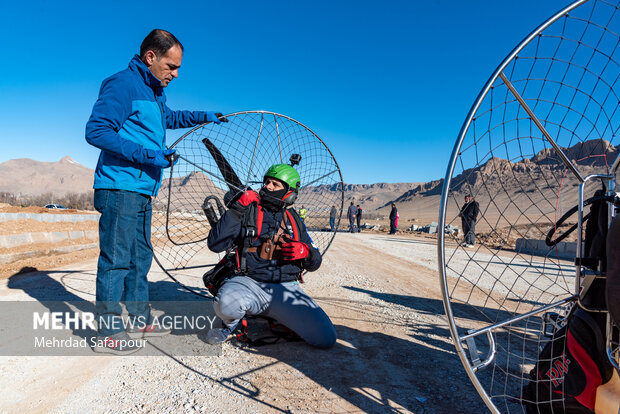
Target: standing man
359, 217
128, 124
393, 218
332, 217
469, 214
351, 214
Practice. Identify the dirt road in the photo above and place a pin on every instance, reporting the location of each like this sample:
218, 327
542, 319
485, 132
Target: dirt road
393, 353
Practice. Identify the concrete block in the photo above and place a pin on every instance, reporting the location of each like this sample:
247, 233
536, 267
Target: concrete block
15, 240
58, 236
11, 240
39, 237
563, 250
74, 235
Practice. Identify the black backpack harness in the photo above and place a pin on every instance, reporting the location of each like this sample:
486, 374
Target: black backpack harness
234, 261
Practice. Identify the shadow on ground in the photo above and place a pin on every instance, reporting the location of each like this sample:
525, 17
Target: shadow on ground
51, 293
367, 371
60, 295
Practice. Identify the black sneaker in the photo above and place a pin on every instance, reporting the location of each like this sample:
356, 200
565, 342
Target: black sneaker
143, 331
118, 344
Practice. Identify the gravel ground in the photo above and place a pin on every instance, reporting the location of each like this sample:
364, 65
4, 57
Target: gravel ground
394, 352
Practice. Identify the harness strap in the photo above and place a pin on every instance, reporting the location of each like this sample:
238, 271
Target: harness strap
250, 232
251, 229
242, 335
271, 248
279, 333
292, 230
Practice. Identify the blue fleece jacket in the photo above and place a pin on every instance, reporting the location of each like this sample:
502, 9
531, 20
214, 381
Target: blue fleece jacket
128, 124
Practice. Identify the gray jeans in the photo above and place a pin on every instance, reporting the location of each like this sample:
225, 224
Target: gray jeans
287, 303
469, 230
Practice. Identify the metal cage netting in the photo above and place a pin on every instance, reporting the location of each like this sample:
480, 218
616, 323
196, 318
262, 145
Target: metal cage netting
548, 117
248, 145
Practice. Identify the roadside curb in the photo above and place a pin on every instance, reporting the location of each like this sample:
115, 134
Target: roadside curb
49, 217
563, 250
13, 257
14, 240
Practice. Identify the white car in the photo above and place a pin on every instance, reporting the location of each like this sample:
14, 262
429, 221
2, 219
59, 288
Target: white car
56, 206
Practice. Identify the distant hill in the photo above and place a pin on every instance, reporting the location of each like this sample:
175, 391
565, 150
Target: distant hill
497, 175
503, 188
187, 193
29, 177
371, 196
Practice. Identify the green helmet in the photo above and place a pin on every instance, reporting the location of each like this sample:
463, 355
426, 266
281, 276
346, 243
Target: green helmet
286, 174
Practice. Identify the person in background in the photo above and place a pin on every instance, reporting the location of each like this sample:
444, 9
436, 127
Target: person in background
359, 217
332, 218
128, 124
396, 223
469, 215
302, 213
393, 219
351, 214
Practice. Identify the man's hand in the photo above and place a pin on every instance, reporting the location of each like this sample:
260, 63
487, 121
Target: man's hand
216, 117
163, 158
240, 207
248, 197
294, 250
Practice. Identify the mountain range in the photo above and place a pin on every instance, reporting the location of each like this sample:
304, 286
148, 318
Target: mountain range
499, 185
25, 176
29, 177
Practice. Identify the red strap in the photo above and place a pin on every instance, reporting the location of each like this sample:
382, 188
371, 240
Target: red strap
286, 335
259, 221
295, 236
243, 335
590, 369
237, 258
293, 225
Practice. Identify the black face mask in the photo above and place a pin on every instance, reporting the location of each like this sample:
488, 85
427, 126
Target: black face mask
271, 200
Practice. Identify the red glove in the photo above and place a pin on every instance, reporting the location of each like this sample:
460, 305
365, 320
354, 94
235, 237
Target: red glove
248, 197
294, 250
240, 207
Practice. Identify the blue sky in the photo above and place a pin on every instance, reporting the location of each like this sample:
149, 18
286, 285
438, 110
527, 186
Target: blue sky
386, 85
